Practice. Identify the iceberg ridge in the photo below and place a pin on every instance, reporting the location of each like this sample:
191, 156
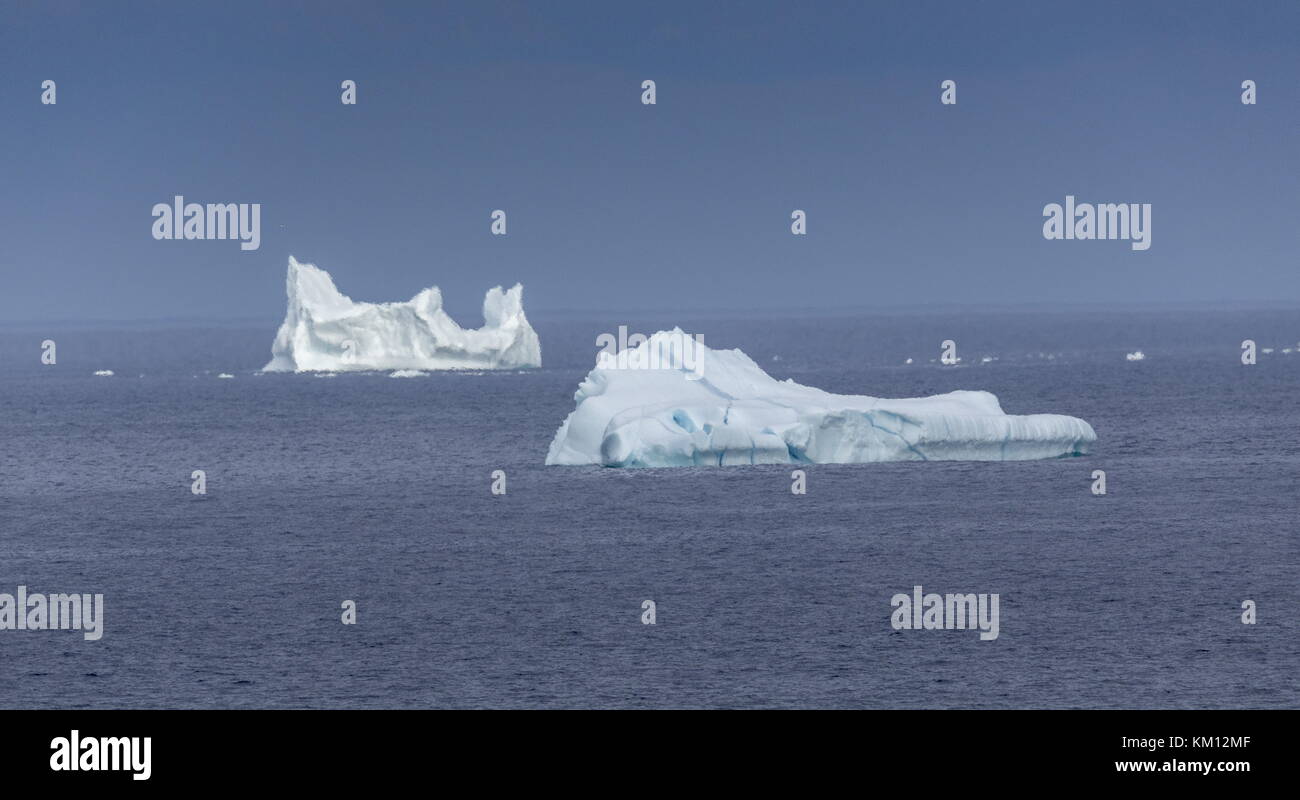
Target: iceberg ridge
733, 412
325, 330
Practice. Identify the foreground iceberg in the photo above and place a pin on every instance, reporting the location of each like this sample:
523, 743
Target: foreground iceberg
718, 407
324, 330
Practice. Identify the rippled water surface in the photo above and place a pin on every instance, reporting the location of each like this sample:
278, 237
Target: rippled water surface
376, 489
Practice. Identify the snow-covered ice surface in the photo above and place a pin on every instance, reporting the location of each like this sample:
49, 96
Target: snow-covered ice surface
736, 413
324, 330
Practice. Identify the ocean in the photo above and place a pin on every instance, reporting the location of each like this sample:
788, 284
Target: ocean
377, 490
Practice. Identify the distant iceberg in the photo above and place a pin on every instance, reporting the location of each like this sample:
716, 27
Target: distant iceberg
727, 410
325, 331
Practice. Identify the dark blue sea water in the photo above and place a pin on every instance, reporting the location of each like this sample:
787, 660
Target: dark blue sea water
376, 489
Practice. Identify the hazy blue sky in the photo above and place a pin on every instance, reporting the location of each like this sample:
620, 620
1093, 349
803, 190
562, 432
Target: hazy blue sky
535, 108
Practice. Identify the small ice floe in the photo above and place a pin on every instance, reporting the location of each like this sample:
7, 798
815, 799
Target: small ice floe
1136, 355
776, 358
1267, 350
1285, 351
325, 374
225, 375
987, 360
908, 361
104, 373
408, 373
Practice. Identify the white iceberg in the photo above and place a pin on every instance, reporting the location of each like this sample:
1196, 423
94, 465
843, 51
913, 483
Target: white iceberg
727, 410
325, 331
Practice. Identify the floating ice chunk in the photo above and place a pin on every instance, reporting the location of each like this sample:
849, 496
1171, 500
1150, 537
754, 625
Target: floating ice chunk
104, 373
225, 375
1136, 356
408, 373
324, 330
735, 413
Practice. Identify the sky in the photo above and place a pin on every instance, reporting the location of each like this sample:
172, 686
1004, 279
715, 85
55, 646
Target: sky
614, 205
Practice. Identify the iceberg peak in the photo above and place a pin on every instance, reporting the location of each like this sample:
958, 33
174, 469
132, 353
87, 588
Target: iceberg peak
325, 330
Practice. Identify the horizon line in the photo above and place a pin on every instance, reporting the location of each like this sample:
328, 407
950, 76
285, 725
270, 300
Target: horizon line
829, 312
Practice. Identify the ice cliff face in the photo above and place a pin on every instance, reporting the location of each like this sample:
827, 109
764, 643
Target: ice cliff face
324, 330
735, 413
